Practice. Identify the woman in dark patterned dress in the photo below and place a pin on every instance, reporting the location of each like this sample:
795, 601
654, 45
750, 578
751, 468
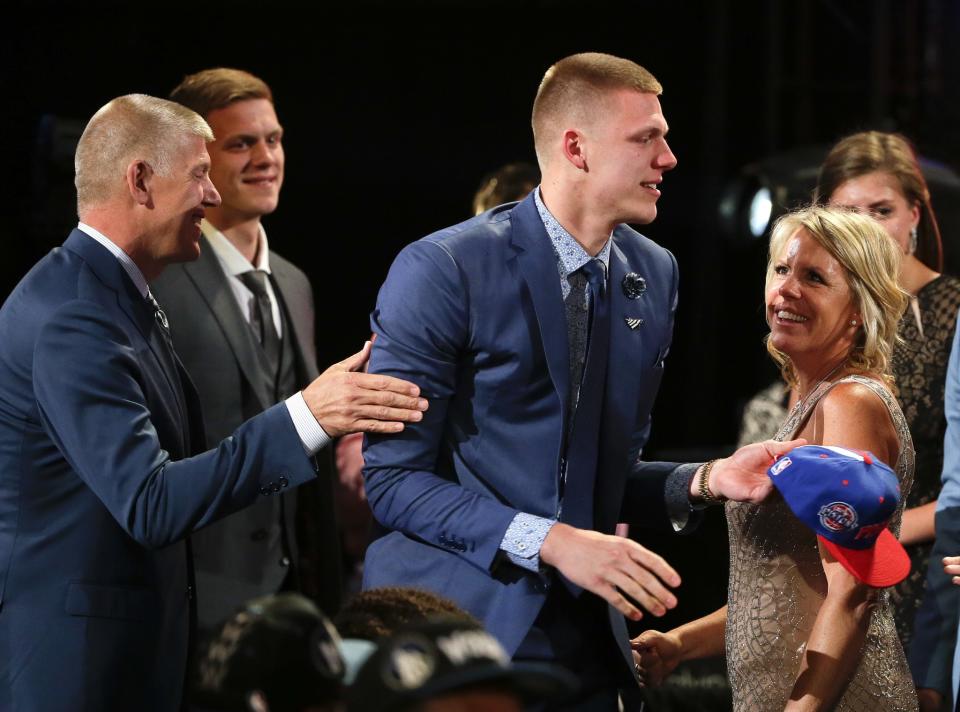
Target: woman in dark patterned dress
877, 173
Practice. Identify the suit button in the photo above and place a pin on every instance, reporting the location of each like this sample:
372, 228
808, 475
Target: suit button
275, 486
258, 535
189, 593
284, 482
285, 561
264, 491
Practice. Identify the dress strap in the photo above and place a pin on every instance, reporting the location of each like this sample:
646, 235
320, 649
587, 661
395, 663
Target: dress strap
799, 418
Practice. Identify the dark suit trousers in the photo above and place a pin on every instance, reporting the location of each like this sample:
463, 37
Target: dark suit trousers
575, 633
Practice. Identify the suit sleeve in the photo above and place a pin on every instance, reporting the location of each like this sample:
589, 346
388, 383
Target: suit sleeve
422, 326
89, 383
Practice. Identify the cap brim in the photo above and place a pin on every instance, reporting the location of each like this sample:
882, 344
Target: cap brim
535, 682
354, 652
884, 564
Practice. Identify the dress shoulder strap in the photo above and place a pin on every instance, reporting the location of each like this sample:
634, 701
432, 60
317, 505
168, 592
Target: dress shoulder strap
796, 420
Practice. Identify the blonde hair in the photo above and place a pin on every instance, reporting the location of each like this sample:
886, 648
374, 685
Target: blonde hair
217, 88
872, 263
131, 127
891, 153
575, 88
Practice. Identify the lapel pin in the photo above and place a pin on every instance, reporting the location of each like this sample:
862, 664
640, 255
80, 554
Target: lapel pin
634, 285
633, 322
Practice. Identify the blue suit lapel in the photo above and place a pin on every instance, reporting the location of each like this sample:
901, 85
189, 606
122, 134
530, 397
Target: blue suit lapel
538, 266
111, 273
132, 303
624, 371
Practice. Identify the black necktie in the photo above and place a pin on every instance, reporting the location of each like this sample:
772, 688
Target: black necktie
584, 442
262, 318
160, 317
168, 356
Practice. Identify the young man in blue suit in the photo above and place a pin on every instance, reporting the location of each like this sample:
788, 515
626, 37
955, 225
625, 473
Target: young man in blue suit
539, 332
103, 473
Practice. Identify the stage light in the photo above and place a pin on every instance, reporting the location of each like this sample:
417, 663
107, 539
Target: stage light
764, 190
761, 207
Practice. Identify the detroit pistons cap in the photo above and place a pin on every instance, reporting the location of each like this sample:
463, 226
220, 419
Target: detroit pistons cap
847, 497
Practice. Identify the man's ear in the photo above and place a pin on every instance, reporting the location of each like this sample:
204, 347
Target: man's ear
574, 149
139, 179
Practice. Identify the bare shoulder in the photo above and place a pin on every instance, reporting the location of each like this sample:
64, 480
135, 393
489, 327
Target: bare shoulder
853, 397
854, 416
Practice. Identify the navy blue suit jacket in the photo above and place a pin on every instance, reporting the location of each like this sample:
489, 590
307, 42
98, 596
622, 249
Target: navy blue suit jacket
474, 315
98, 490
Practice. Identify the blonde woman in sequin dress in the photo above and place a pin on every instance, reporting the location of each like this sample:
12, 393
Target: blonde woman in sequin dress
799, 631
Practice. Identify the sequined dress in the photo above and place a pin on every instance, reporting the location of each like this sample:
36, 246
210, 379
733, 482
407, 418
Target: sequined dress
776, 588
920, 367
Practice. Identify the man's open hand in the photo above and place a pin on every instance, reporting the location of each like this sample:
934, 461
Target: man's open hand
345, 400
743, 476
602, 564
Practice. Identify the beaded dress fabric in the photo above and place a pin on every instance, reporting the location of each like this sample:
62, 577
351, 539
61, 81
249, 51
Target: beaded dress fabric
776, 588
920, 368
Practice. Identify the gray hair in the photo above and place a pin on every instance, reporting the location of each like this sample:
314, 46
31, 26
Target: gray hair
131, 127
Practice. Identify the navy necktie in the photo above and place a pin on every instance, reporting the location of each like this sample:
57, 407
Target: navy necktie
584, 442
159, 314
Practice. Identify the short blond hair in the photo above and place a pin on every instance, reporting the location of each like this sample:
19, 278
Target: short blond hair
575, 87
217, 88
872, 263
131, 127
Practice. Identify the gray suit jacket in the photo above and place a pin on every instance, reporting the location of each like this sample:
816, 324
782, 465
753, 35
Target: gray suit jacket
239, 557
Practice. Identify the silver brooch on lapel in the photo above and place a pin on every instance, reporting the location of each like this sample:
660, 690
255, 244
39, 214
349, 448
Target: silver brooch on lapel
633, 322
633, 286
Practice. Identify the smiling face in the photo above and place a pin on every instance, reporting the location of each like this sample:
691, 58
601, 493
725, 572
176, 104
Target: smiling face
809, 304
626, 155
879, 195
178, 202
247, 161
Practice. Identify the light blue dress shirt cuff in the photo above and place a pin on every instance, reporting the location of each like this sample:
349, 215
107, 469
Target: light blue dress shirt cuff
684, 515
312, 436
523, 539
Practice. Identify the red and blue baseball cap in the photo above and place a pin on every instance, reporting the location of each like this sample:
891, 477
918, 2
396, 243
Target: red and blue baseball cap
847, 497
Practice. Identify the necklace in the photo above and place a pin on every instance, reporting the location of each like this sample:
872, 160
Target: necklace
801, 402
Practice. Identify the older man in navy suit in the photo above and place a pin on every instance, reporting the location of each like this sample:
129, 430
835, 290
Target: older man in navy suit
539, 331
102, 469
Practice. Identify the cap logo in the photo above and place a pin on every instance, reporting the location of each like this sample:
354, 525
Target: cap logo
780, 465
838, 516
409, 666
326, 653
462, 646
871, 531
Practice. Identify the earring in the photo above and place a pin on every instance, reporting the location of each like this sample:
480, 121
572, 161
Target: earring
912, 248
853, 322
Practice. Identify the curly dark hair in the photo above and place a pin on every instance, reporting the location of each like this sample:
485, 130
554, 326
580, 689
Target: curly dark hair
378, 613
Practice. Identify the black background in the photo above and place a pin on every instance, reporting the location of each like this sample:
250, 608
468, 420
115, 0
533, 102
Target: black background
394, 110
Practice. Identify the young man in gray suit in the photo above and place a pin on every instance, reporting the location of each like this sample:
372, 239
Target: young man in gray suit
242, 319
